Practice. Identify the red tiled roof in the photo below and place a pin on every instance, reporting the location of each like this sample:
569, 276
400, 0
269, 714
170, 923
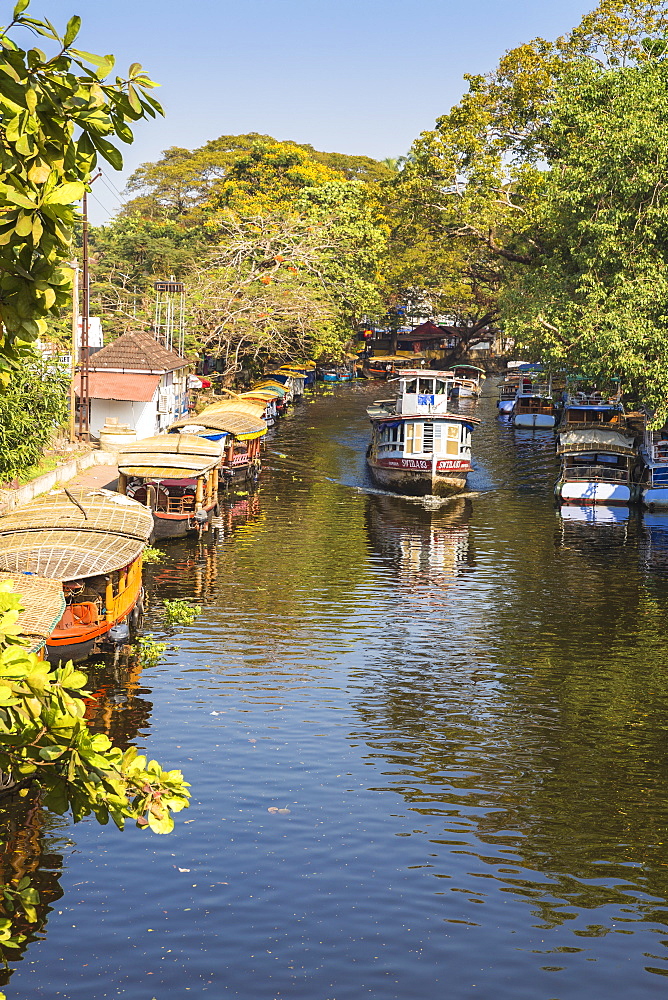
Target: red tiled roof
425, 331
137, 350
117, 385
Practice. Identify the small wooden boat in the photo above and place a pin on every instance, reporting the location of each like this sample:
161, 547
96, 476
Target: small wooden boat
417, 446
175, 477
389, 366
237, 433
533, 405
599, 454
91, 542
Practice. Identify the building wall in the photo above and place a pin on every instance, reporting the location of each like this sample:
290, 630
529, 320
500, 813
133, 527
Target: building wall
141, 416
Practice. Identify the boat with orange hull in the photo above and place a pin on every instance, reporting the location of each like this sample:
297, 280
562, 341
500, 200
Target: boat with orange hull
91, 542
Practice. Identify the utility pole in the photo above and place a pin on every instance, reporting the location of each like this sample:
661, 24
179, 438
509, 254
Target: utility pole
75, 347
84, 370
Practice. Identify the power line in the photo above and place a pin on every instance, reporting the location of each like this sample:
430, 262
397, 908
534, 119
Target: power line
115, 193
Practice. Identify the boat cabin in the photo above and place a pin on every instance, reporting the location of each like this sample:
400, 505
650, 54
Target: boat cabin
175, 477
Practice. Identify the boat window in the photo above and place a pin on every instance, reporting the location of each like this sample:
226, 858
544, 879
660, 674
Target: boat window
409, 439
441, 387
452, 445
426, 386
411, 386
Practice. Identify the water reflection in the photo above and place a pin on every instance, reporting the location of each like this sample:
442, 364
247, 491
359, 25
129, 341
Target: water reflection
426, 547
653, 549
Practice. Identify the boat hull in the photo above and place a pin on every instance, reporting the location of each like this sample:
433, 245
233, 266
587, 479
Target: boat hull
175, 525
584, 492
655, 496
536, 421
505, 406
419, 482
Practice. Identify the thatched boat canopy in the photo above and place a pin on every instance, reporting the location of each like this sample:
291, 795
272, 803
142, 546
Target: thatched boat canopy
68, 554
169, 456
596, 439
242, 426
80, 511
43, 606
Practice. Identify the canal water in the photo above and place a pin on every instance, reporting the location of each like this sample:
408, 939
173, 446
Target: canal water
428, 748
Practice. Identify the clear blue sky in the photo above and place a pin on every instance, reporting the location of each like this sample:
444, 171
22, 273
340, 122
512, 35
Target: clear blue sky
352, 76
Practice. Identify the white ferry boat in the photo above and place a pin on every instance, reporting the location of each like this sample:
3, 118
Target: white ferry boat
417, 446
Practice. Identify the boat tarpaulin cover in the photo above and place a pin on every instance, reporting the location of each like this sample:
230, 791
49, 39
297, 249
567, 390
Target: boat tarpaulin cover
596, 439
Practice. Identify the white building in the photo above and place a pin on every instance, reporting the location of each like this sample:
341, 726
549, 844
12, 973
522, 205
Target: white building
139, 383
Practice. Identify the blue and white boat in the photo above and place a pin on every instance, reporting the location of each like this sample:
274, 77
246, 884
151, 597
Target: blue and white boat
654, 453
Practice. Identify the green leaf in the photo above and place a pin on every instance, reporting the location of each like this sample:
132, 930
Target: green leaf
109, 152
72, 30
19, 8
66, 194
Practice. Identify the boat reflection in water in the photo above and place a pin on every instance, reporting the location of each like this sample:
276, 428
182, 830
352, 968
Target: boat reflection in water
653, 547
428, 546
599, 533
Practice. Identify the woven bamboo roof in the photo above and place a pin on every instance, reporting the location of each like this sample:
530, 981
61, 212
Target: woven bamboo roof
67, 554
169, 456
254, 407
240, 425
83, 512
43, 603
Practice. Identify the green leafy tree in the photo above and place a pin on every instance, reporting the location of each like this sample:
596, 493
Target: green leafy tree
32, 405
58, 115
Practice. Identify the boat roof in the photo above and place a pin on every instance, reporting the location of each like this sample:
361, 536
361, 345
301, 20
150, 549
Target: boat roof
168, 456
43, 605
474, 368
67, 554
80, 511
601, 439
242, 426
398, 418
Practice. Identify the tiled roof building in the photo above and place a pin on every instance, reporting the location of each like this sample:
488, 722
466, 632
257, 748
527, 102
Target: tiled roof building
137, 352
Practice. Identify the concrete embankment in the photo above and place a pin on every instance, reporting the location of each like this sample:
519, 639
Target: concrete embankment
93, 470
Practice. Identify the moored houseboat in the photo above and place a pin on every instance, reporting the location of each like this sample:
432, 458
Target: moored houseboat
417, 446
43, 604
175, 477
91, 542
236, 431
654, 452
599, 454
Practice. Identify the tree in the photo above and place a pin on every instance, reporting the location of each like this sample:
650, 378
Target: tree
596, 297
57, 115
32, 405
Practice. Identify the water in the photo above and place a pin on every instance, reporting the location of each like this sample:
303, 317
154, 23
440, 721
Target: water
427, 748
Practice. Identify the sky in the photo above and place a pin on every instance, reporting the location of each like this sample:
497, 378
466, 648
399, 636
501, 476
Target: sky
350, 76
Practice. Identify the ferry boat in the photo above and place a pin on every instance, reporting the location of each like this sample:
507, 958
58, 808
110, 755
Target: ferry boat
175, 477
91, 542
467, 380
417, 447
507, 393
43, 604
599, 453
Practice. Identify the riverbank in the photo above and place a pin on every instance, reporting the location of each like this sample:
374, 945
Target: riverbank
94, 469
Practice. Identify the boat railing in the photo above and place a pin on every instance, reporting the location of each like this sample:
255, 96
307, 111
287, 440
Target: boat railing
616, 423
175, 505
534, 406
658, 452
601, 473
